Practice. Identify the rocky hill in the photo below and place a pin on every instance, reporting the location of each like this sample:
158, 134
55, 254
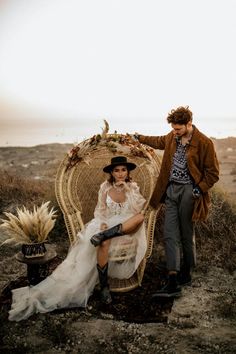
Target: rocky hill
41, 161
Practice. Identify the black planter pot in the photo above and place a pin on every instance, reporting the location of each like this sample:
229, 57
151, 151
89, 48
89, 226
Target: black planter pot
33, 250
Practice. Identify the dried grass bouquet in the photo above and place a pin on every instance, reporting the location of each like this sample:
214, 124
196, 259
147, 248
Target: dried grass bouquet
29, 226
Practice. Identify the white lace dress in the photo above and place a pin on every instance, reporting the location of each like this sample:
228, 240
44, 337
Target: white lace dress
73, 281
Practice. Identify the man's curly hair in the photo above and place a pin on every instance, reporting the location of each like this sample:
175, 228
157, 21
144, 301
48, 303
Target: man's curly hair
180, 115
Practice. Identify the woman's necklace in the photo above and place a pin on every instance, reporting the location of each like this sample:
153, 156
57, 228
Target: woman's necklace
119, 189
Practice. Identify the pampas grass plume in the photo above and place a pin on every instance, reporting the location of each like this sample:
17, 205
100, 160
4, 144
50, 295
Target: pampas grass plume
29, 226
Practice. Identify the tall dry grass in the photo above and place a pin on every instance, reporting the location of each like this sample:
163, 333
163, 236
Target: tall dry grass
215, 238
16, 191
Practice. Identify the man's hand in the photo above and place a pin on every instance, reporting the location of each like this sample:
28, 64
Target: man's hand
196, 192
135, 136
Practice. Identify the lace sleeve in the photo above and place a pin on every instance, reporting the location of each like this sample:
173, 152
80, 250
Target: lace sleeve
100, 211
137, 201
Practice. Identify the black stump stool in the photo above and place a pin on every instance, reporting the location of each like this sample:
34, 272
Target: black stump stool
37, 268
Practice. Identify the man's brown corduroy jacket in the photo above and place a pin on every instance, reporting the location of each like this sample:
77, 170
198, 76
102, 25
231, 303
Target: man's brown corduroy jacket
202, 163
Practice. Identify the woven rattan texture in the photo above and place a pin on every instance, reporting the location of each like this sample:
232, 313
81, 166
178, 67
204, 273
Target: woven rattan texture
77, 193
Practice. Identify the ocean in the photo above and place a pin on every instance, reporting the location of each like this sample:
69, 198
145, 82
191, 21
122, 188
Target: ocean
72, 133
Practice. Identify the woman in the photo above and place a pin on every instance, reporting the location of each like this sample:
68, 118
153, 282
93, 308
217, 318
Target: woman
117, 221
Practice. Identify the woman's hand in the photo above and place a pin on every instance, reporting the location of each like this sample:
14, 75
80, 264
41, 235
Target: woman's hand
122, 185
103, 226
119, 183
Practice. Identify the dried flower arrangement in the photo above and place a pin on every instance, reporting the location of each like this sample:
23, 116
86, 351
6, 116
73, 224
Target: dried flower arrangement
121, 143
29, 227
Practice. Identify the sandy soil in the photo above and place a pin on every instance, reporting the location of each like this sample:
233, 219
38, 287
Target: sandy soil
202, 320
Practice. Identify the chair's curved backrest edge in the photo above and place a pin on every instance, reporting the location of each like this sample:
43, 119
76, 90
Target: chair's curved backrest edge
150, 221
72, 217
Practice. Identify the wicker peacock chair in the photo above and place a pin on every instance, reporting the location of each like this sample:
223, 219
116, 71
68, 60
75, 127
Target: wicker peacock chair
80, 175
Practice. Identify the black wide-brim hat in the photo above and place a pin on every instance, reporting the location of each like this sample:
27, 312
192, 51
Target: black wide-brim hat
119, 160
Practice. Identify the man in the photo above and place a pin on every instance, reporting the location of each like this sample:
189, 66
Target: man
189, 169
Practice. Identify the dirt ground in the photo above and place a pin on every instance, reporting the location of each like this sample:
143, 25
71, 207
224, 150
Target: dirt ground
202, 320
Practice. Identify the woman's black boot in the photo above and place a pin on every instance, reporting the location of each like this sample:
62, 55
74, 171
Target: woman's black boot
103, 279
114, 231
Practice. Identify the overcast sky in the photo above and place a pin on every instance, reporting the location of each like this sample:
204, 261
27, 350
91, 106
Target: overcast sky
72, 63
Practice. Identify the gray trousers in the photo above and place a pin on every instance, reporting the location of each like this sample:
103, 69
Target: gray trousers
178, 227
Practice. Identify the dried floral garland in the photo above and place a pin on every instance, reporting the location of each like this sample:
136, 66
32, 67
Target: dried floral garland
121, 143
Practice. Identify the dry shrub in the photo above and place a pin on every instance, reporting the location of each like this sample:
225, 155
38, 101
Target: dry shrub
216, 238
16, 191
